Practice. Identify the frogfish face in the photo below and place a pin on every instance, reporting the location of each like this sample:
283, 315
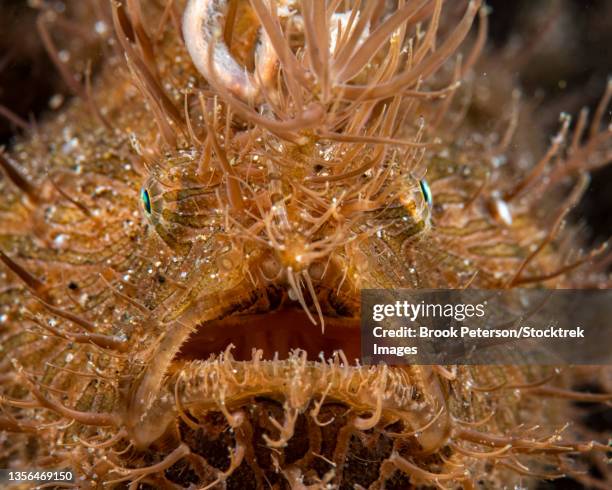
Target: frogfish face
184, 246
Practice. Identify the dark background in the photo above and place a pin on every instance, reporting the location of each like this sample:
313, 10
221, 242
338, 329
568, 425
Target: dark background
576, 48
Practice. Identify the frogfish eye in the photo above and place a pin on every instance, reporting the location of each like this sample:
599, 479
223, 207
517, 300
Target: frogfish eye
426, 191
146, 200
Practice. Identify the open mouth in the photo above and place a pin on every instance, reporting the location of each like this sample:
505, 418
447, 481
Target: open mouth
276, 333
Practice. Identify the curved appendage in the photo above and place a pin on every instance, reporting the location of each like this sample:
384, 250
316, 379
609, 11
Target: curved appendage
204, 41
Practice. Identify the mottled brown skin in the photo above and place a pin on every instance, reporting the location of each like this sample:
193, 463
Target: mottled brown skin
138, 344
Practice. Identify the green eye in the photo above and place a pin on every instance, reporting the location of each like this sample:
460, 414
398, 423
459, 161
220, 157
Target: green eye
426, 191
146, 200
